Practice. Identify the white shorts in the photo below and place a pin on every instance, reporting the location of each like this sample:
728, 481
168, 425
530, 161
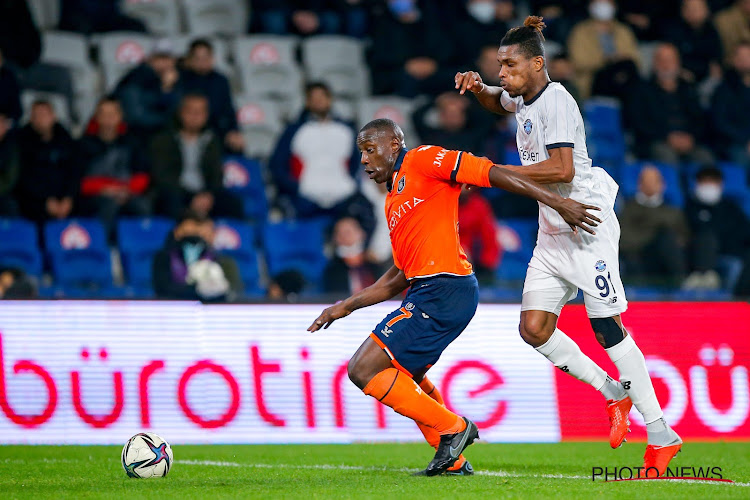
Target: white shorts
563, 263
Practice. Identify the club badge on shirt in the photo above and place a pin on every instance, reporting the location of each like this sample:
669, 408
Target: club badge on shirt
527, 126
401, 184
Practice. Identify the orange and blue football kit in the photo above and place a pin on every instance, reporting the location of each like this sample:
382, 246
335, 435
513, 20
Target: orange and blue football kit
422, 213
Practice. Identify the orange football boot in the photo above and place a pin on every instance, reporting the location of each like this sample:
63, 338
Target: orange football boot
619, 423
658, 457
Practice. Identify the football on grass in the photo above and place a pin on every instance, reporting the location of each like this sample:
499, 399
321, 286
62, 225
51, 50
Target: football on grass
146, 455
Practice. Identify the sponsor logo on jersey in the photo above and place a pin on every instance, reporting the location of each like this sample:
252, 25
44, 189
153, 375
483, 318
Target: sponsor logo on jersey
401, 184
526, 155
600, 266
527, 126
403, 209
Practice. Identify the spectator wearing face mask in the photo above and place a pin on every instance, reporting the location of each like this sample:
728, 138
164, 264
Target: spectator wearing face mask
351, 269
721, 233
482, 24
188, 268
654, 234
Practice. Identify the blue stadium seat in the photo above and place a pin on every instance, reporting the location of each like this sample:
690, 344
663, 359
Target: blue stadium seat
735, 180
296, 245
78, 252
243, 177
517, 238
673, 193
235, 239
605, 139
19, 246
138, 240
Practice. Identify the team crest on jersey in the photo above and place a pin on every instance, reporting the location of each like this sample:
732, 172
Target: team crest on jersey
401, 184
600, 266
409, 306
527, 126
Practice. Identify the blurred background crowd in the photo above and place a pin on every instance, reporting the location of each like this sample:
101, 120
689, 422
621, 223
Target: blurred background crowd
205, 149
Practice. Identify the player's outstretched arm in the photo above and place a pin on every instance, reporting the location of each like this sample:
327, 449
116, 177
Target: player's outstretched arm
558, 167
574, 213
488, 97
388, 286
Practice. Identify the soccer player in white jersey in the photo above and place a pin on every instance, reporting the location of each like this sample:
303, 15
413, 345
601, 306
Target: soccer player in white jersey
552, 145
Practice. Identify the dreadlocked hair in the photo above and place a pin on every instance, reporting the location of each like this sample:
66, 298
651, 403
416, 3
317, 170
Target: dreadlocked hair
528, 37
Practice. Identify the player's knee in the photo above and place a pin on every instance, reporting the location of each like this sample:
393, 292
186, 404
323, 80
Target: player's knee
356, 373
607, 331
535, 329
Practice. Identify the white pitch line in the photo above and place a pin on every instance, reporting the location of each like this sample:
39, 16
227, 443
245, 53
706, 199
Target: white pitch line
361, 468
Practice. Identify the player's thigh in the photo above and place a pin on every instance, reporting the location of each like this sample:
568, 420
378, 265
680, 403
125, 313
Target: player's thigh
544, 291
369, 360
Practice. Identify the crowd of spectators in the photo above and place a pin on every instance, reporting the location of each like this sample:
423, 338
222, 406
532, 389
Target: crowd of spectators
155, 144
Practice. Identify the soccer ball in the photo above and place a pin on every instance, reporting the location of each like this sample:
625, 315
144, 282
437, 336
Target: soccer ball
146, 455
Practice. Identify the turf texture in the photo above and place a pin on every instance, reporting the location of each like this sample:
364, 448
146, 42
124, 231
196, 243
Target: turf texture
364, 471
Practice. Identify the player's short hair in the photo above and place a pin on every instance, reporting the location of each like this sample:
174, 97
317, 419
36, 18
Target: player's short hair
200, 43
709, 173
384, 125
528, 37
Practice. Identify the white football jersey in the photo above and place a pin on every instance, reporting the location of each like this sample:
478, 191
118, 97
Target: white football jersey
551, 120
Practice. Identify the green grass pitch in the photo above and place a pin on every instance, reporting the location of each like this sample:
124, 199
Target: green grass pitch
362, 471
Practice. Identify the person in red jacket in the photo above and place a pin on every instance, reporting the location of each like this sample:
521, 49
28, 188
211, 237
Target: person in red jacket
115, 175
476, 224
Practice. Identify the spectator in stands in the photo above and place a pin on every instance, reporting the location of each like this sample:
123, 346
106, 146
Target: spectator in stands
559, 15
410, 55
379, 247
10, 93
721, 233
733, 24
483, 23
49, 178
199, 76
189, 268
697, 40
96, 16
187, 168
351, 269
16, 284
9, 167
561, 70
286, 286
488, 66
665, 116
730, 117
315, 161
114, 168
602, 48
447, 121
299, 17
478, 238
149, 93
646, 17
654, 234
20, 41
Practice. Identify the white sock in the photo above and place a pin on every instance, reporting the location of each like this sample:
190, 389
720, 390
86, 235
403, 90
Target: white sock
567, 356
635, 379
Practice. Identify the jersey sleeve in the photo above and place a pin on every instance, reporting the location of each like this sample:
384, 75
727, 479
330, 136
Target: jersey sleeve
560, 124
453, 166
472, 170
508, 103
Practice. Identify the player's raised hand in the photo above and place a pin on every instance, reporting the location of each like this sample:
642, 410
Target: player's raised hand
577, 215
328, 316
469, 80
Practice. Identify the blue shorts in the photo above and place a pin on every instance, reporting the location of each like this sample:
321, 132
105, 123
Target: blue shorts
434, 313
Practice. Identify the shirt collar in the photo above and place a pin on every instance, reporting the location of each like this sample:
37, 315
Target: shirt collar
531, 101
396, 167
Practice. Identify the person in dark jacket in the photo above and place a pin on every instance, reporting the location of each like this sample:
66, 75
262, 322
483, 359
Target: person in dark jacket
188, 268
49, 178
451, 121
20, 41
187, 168
115, 175
350, 270
96, 16
9, 167
149, 93
697, 40
729, 112
481, 25
199, 76
10, 93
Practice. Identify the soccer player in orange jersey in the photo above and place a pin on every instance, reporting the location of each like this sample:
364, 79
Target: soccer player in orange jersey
422, 211
551, 140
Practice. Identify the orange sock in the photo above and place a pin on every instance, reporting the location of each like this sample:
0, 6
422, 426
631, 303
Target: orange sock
432, 437
394, 389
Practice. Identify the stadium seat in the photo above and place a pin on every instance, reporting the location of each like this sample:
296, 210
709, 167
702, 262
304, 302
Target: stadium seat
19, 246
296, 245
138, 240
395, 108
78, 252
58, 101
243, 176
161, 17
119, 52
735, 180
605, 141
260, 123
46, 13
236, 239
216, 17
629, 181
517, 238
338, 61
